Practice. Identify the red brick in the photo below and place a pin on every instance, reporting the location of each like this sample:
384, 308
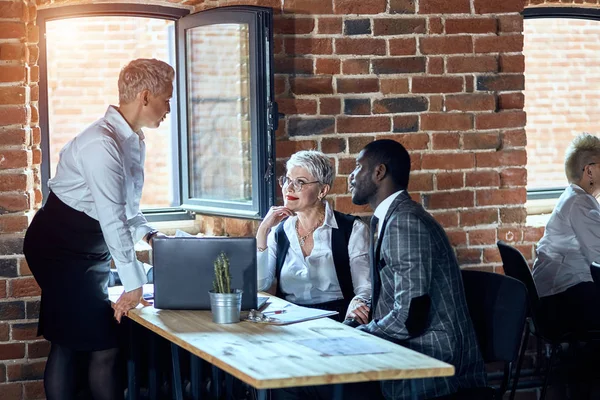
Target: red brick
333, 145
470, 102
491, 255
359, 6
450, 180
33, 390
360, 46
442, 84
481, 237
10, 95
25, 287
490, 197
411, 141
294, 65
24, 267
36, 136
330, 106
402, 6
510, 23
436, 103
356, 66
461, 64
328, 66
420, 182
482, 179
513, 177
311, 85
457, 238
363, 124
13, 136
11, 351
357, 143
9, 9
34, 53
329, 25
13, 223
514, 138
26, 372
285, 148
471, 25
415, 162
10, 115
435, 65
346, 165
12, 30
297, 106
436, 26
352, 85
494, 6
499, 44
13, 202
308, 6
507, 101
298, 26
344, 204
33, 33
446, 218
277, 46
446, 44
478, 217
445, 141
398, 65
3, 289
504, 119
446, 122
24, 331
512, 63
403, 47
280, 85
444, 7
501, 82
395, 26
389, 86
13, 52
239, 227
510, 234
502, 158
301, 46
450, 161
468, 256
38, 349
13, 73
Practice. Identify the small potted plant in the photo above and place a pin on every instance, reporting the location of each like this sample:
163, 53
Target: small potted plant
225, 303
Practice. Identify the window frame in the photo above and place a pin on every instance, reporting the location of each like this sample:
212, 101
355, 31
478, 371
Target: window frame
556, 12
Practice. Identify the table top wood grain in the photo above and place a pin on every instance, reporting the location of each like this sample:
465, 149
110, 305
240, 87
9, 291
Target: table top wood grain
268, 357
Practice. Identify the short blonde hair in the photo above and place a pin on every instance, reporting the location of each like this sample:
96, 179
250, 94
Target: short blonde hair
144, 74
583, 150
316, 163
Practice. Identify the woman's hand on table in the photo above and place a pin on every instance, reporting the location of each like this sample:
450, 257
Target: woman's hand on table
359, 311
127, 301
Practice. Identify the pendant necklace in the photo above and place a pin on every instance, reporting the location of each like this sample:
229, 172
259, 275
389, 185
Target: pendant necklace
302, 239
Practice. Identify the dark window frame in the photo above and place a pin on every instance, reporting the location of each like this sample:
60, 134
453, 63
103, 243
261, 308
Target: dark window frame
556, 12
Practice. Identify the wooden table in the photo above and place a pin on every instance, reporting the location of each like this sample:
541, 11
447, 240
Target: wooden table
267, 356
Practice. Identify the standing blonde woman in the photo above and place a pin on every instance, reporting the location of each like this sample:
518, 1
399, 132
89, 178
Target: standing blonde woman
92, 215
319, 257
571, 243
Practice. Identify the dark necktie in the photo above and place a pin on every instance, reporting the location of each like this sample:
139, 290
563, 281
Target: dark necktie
375, 281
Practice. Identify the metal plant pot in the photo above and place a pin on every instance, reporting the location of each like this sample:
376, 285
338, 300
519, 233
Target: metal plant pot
226, 307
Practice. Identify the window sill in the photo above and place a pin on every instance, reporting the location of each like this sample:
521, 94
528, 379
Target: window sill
539, 211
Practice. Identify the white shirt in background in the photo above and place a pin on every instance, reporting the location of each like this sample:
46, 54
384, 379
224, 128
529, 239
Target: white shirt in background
570, 244
101, 173
313, 280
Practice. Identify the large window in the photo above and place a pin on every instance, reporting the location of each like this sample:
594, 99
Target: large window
216, 157
562, 91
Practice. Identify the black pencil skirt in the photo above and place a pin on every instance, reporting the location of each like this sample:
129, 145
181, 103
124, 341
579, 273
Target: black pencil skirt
69, 258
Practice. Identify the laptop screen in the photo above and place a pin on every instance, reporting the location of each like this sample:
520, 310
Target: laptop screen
184, 270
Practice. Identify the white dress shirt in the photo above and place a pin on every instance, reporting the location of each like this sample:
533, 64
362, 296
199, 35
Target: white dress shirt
570, 244
101, 173
382, 209
312, 279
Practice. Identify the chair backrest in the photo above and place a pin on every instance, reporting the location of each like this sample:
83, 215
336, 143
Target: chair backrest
516, 267
595, 270
498, 307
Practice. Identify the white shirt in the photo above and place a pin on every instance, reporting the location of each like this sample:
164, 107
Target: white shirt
313, 280
382, 209
570, 244
101, 173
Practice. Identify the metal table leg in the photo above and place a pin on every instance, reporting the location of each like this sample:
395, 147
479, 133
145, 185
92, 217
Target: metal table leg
216, 382
132, 385
177, 390
338, 391
413, 390
196, 376
262, 394
152, 373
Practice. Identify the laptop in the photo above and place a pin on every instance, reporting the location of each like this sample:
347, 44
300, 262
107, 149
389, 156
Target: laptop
184, 270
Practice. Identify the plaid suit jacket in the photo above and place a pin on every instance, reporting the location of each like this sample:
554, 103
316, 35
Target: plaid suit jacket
415, 261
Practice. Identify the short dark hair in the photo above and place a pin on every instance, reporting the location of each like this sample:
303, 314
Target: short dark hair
391, 154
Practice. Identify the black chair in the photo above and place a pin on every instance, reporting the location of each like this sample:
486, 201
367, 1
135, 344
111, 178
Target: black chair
516, 266
498, 307
595, 270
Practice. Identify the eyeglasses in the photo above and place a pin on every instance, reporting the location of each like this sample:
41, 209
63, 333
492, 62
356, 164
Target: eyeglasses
592, 163
296, 183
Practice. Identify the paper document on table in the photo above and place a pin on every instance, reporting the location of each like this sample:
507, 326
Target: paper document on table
291, 314
342, 346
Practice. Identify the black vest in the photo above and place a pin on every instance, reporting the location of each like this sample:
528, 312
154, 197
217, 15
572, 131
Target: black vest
339, 245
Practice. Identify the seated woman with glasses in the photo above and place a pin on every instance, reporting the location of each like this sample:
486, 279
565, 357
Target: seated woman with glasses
571, 243
319, 257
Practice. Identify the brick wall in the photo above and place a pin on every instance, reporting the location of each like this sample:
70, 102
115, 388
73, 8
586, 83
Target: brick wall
444, 77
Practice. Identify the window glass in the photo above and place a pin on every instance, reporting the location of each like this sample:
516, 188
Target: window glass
84, 58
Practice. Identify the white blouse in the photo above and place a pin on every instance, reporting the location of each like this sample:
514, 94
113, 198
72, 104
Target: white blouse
570, 244
101, 173
313, 280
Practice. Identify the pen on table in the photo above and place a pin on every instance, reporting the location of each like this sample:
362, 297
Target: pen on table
274, 312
